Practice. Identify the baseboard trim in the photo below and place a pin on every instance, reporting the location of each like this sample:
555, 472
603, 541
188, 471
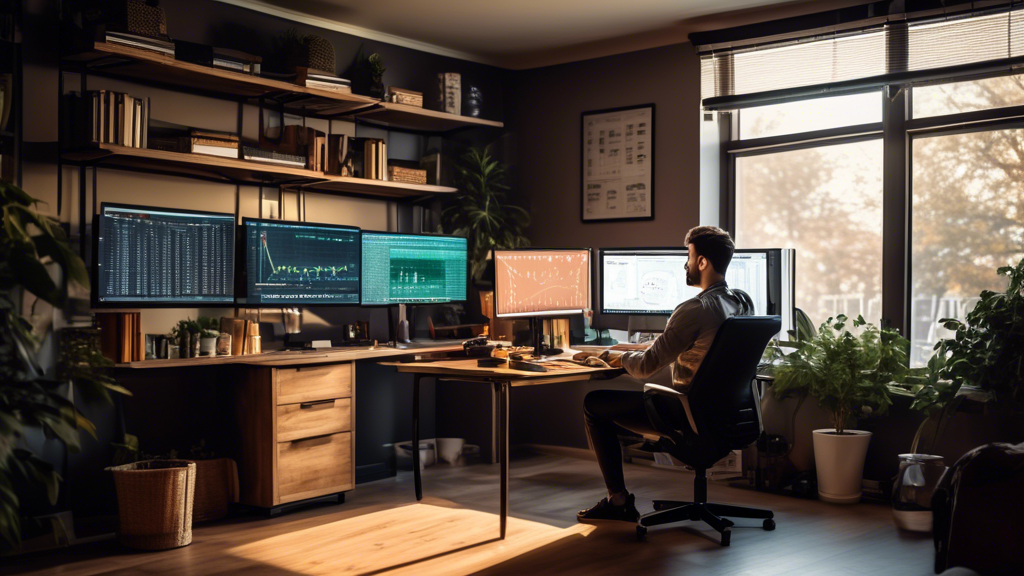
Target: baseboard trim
567, 451
371, 472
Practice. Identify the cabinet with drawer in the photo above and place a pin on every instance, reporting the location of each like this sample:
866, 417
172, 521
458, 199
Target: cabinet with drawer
296, 431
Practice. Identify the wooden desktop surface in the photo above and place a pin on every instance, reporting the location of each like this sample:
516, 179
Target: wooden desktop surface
294, 358
468, 368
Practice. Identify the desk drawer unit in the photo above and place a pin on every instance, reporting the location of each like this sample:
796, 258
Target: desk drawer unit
297, 433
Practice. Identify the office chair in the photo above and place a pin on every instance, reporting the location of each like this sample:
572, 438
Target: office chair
720, 413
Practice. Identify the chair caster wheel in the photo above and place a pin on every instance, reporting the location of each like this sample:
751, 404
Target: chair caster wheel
769, 524
726, 536
641, 533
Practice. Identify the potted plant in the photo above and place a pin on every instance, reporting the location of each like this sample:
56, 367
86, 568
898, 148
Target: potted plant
187, 333
208, 335
31, 245
849, 376
973, 386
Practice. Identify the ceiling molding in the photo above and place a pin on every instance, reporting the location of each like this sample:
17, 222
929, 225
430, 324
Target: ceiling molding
295, 16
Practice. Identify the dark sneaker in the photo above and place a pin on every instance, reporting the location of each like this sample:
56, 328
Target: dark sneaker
604, 510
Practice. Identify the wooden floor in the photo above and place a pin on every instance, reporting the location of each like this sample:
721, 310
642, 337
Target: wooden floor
382, 530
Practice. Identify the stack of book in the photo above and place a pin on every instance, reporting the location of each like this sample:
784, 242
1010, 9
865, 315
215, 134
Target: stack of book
403, 96
270, 157
407, 175
108, 117
177, 138
227, 59
120, 335
159, 45
375, 159
311, 78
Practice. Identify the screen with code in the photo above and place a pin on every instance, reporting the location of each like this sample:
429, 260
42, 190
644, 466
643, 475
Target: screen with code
164, 257
294, 263
413, 268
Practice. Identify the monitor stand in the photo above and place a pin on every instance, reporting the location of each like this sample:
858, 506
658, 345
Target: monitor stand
403, 325
641, 324
540, 349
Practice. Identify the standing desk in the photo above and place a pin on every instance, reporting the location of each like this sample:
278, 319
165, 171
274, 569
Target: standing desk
502, 379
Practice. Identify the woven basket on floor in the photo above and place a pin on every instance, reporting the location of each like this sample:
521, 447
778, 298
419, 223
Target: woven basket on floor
154, 501
216, 488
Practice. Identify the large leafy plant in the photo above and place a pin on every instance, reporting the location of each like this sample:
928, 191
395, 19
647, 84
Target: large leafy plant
29, 243
847, 374
481, 211
986, 350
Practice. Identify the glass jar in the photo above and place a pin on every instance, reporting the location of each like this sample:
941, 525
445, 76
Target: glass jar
912, 491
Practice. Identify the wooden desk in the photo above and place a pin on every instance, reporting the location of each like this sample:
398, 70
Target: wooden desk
502, 379
294, 416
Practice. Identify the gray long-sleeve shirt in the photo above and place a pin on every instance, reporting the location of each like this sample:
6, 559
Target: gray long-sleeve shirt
688, 335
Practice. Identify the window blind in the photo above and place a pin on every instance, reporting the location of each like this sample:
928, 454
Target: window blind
865, 56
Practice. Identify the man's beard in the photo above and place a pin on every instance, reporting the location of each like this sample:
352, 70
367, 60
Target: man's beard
692, 276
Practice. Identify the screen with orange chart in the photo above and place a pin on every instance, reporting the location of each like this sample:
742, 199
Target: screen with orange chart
541, 282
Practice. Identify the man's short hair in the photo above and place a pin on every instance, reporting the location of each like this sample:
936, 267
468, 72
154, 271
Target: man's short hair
714, 244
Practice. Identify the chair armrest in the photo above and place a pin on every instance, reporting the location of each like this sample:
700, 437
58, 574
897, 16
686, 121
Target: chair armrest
663, 390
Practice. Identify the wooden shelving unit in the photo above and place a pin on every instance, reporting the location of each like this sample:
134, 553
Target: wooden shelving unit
414, 118
235, 170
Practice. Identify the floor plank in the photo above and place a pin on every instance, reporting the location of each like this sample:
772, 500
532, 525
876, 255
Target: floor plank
382, 530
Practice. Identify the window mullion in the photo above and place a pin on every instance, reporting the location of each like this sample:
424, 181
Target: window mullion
895, 212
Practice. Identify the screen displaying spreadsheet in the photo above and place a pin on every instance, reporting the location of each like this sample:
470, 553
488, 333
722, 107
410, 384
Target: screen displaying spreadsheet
295, 263
413, 268
163, 257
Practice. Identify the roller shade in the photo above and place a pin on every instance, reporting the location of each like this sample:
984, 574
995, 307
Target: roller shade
896, 51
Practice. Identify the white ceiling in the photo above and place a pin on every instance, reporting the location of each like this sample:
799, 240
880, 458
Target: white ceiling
524, 33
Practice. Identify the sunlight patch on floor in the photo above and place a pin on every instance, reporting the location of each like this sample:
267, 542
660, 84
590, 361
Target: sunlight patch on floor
417, 539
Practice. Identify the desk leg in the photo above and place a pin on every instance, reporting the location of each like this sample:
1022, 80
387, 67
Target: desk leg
417, 480
502, 388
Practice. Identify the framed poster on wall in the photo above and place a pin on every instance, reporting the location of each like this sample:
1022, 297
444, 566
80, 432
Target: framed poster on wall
617, 164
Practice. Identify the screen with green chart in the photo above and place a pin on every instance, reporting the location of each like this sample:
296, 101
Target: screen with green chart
413, 268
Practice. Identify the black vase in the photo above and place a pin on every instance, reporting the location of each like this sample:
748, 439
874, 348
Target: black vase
472, 101
375, 89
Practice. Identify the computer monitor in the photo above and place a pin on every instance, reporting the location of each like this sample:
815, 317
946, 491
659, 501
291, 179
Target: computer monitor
414, 268
541, 282
643, 281
156, 257
300, 263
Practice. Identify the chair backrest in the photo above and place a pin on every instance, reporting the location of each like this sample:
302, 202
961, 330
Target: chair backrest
723, 396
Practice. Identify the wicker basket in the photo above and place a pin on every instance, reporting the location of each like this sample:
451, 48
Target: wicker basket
154, 500
216, 488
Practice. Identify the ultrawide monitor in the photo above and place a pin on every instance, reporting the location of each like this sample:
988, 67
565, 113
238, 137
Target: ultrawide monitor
413, 268
158, 257
300, 263
541, 282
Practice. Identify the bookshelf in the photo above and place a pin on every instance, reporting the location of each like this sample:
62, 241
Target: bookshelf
242, 171
407, 117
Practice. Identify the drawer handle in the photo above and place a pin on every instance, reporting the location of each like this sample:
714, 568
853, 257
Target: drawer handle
321, 439
309, 405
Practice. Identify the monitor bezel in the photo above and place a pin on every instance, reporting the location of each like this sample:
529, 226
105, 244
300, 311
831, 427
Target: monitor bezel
600, 272
423, 234
245, 280
95, 265
549, 314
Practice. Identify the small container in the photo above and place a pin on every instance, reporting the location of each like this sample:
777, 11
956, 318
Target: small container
173, 351
912, 491
224, 344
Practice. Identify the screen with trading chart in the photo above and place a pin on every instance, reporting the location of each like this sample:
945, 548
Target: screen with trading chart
643, 281
301, 263
163, 257
413, 268
541, 282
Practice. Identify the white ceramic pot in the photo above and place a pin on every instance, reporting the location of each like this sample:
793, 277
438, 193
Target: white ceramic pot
208, 346
449, 449
839, 462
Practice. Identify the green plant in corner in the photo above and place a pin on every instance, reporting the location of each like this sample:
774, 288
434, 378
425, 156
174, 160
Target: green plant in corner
480, 210
986, 350
29, 244
847, 374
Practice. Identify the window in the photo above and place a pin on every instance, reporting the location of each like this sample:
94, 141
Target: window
969, 96
808, 115
826, 202
968, 220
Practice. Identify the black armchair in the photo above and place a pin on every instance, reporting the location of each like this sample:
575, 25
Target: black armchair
721, 412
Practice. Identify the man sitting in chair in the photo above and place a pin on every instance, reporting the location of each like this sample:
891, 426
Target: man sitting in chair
684, 343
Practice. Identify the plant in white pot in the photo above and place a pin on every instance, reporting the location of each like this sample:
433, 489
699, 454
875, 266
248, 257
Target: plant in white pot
848, 374
208, 335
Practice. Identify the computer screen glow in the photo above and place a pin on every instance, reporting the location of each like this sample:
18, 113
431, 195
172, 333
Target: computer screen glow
413, 268
541, 282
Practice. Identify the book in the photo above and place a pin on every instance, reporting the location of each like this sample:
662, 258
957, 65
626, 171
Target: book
403, 96
407, 175
214, 150
157, 45
337, 154
257, 155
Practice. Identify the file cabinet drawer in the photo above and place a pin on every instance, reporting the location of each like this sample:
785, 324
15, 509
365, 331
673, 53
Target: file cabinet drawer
313, 418
314, 467
296, 385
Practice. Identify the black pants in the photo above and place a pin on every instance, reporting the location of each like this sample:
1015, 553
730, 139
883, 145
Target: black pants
609, 413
